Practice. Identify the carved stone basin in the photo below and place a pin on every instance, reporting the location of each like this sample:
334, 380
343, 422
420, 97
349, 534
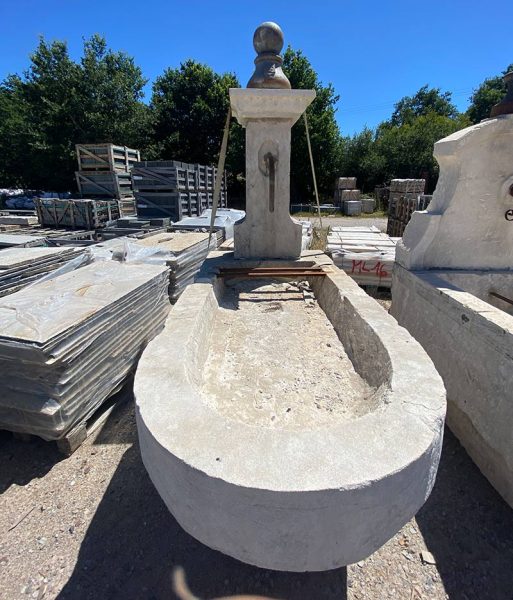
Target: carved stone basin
290, 424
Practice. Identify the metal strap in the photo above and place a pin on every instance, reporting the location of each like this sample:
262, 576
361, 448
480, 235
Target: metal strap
313, 168
219, 175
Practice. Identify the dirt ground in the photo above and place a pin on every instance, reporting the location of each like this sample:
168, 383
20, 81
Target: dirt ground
92, 526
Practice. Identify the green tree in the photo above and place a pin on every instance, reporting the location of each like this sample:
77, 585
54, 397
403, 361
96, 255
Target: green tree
58, 103
189, 105
324, 133
15, 134
426, 100
361, 159
402, 147
490, 92
407, 150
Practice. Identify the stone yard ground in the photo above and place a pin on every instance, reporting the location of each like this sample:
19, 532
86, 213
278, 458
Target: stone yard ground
92, 526
368, 221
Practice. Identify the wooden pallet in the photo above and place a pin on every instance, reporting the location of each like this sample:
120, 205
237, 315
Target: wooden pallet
82, 213
104, 183
175, 204
106, 157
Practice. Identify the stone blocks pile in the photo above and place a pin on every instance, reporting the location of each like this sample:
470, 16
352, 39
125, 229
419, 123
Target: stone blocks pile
348, 197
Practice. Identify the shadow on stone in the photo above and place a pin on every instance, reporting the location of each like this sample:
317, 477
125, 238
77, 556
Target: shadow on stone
133, 544
469, 529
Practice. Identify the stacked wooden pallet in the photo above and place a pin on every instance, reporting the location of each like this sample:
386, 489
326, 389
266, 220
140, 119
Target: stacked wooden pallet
104, 169
401, 201
21, 266
174, 189
402, 211
65, 344
89, 213
364, 253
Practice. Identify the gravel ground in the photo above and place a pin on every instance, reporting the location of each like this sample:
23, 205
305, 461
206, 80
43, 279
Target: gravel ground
92, 526
380, 222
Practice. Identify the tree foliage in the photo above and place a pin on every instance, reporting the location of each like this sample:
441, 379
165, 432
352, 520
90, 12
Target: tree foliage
490, 92
58, 103
402, 147
422, 103
189, 106
323, 129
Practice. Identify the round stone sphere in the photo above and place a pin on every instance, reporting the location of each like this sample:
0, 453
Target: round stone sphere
268, 37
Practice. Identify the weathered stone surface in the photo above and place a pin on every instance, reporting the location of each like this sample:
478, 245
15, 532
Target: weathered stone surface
471, 344
306, 499
465, 226
268, 231
460, 252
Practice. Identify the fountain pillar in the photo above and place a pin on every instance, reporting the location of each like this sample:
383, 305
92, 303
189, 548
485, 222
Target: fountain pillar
267, 109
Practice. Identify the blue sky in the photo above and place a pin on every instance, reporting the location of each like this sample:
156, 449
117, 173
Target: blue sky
373, 52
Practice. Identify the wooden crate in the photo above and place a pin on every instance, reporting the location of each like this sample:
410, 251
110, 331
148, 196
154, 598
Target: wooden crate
127, 206
106, 157
76, 213
163, 179
104, 183
175, 205
171, 175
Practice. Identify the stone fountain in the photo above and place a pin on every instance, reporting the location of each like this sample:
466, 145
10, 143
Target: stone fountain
453, 287
283, 416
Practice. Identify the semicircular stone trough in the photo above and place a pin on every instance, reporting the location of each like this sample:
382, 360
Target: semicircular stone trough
289, 482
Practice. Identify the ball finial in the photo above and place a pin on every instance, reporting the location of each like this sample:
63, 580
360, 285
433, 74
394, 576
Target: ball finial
268, 42
268, 37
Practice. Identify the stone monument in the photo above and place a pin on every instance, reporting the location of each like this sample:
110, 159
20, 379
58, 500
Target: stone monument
453, 287
267, 109
251, 456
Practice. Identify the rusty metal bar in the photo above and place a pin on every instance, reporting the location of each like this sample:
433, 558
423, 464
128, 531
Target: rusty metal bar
271, 272
503, 298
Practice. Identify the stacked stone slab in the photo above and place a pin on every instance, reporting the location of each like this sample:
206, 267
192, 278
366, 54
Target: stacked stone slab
347, 196
364, 253
174, 189
183, 252
186, 252
66, 343
21, 266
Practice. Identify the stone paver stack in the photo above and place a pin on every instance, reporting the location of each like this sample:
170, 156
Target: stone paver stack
66, 343
21, 266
